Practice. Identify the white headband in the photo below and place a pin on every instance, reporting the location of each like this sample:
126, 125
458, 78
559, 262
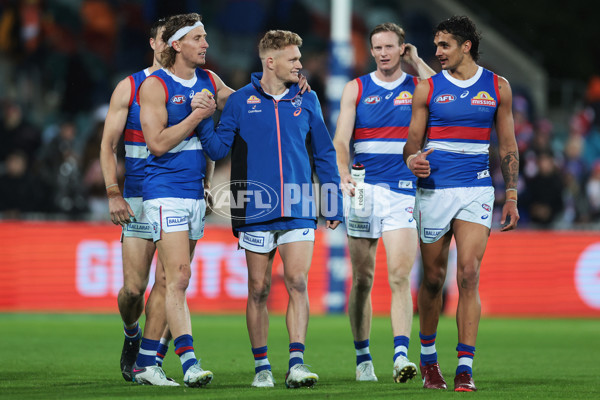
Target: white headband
182, 32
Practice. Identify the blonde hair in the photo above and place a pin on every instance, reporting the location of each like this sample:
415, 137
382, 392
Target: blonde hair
388, 27
277, 40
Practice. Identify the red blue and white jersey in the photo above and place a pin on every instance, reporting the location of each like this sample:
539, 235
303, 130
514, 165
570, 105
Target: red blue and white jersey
461, 115
180, 171
136, 151
383, 111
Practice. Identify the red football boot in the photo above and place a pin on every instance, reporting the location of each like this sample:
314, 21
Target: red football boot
432, 377
463, 382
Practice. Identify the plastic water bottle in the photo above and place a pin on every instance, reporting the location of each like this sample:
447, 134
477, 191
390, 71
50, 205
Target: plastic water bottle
358, 174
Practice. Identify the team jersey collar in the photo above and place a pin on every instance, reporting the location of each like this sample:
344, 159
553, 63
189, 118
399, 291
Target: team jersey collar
257, 76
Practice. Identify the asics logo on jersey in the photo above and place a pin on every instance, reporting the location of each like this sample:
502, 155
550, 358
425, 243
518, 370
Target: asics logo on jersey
445, 98
297, 112
178, 99
372, 99
305, 232
390, 94
464, 94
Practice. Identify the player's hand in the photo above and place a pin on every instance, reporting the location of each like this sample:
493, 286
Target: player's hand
303, 83
205, 112
510, 216
203, 99
347, 183
410, 55
209, 201
120, 211
333, 224
419, 165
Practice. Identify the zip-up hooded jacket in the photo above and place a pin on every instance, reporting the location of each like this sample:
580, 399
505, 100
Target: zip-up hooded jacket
275, 145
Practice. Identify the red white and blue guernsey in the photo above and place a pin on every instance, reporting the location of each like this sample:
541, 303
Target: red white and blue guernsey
136, 151
461, 115
179, 172
383, 112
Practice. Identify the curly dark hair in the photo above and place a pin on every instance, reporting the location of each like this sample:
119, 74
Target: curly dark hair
463, 29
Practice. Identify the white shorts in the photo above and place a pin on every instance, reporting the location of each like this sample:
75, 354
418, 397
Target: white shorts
171, 214
385, 210
139, 227
266, 241
436, 208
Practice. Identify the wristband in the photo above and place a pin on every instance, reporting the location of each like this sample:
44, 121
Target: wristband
114, 184
409, 158
515, 200
112, 191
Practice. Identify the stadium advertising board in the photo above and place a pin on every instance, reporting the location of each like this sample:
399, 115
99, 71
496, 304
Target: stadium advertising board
76, 267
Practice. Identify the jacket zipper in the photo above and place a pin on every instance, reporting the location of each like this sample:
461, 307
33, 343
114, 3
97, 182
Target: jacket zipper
280, 155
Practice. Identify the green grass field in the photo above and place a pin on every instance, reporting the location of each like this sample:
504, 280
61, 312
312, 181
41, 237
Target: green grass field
77, 357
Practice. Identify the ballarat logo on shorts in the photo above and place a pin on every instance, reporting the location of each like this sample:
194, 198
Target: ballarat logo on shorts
138, 227
431, 233
486, 207
445, 98
176, 221
372, 99
359, 226
178, 99
254, 240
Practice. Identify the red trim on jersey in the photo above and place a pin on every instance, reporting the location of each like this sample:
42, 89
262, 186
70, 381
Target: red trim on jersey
415, 80
458, 132
360, 90
164, 86
430, 90
132, 95
133, 135
497, 89
388, 132
212, 80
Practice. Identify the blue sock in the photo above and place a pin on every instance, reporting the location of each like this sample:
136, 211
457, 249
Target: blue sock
362, 351
296, 354
465, 358
161, 352
147, 355
261, 362
134, 333
428, 352
400, 346
184, 348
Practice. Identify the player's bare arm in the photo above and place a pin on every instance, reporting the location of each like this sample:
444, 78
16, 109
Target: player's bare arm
411, 57
343, 134
509, 155
153, 116
114, 125
416, 160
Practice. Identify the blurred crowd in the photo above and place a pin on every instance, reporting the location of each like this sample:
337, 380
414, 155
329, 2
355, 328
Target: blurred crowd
60, 61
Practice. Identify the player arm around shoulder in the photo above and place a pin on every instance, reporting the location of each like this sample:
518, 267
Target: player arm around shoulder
509, 155
343, 134
415, 159
153, 116
114, 126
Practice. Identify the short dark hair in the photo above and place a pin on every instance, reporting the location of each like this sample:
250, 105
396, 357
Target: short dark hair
463, 29
388, 27
156, 26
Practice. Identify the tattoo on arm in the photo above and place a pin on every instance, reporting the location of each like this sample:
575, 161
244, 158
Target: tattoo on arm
510, 169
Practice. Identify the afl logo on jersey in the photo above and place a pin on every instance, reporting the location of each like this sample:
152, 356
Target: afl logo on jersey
445, 98
372, 100
178, 99
404, 98
483, 99
253, 100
